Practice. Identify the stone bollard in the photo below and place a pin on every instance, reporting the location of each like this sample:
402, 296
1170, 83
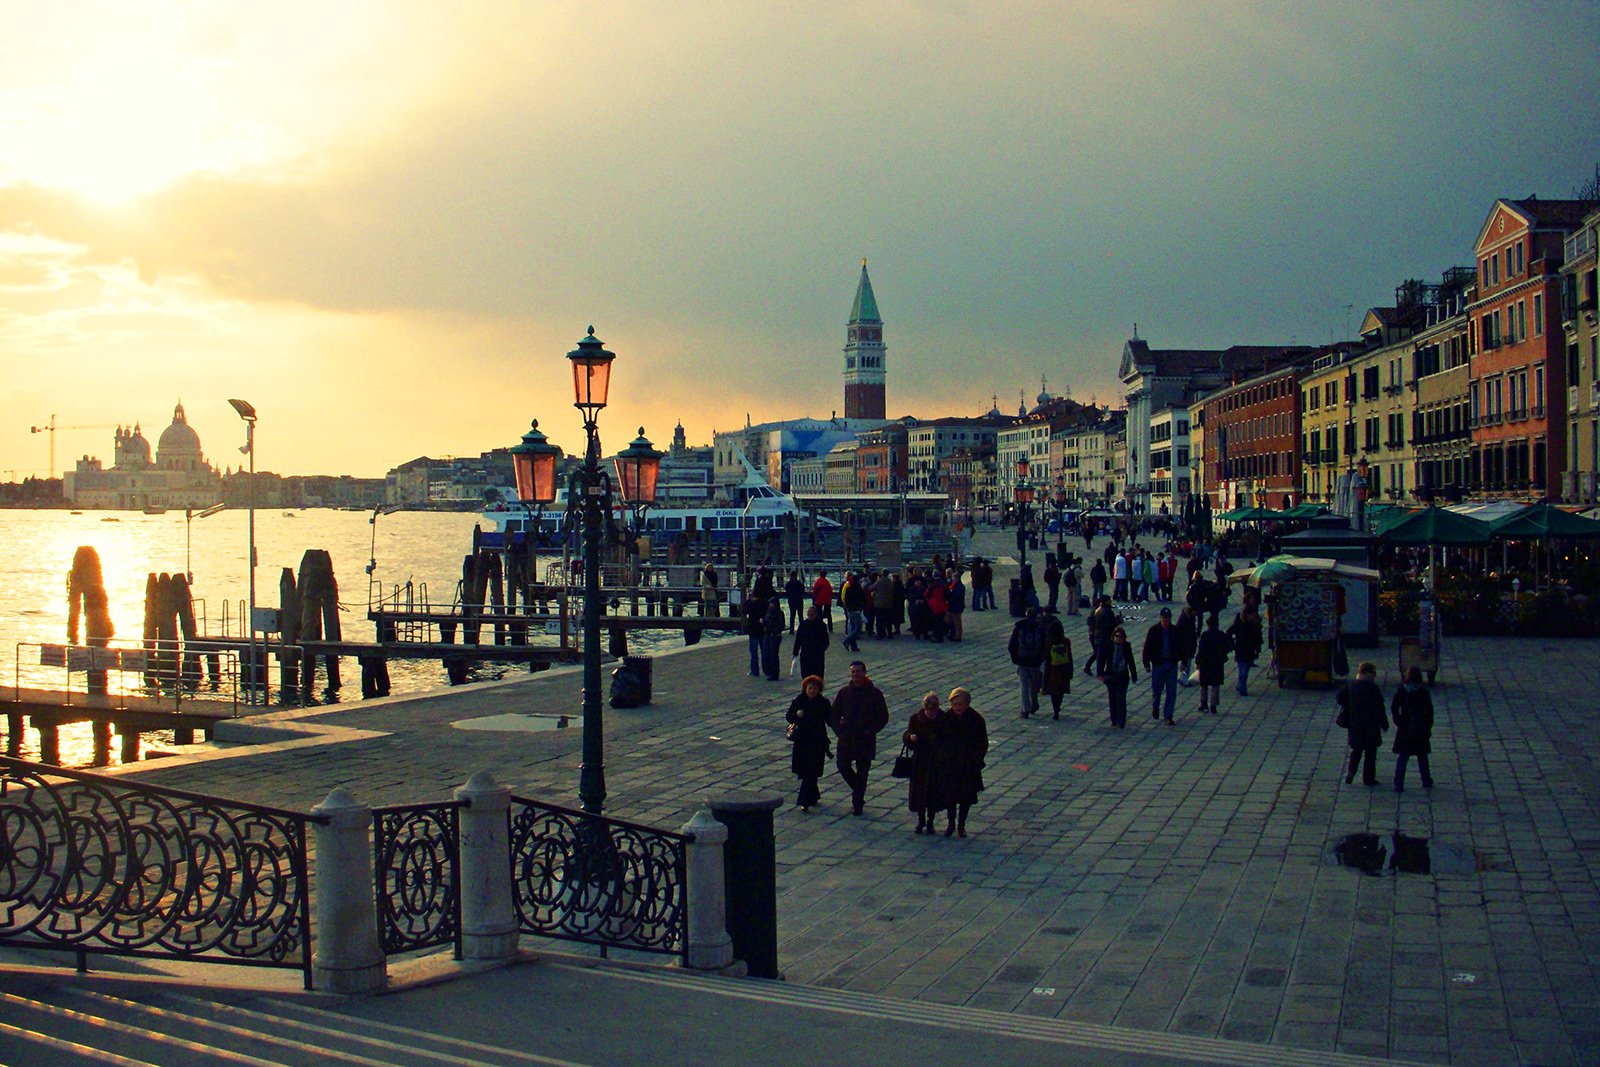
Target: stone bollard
749, 864
488, 916
710, 947
349, 957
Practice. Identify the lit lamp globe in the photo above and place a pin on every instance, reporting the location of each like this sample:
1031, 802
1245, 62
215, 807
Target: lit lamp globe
533, 462
591, 375
638, 466
1024, 495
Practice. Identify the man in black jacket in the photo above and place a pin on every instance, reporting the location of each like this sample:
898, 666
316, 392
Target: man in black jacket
859, 714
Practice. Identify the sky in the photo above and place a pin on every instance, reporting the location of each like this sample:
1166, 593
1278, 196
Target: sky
385, 222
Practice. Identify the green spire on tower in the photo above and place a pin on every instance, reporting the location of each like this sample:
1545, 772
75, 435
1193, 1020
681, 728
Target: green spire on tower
865, 308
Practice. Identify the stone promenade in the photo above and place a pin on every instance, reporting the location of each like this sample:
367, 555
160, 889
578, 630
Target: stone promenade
1176, 879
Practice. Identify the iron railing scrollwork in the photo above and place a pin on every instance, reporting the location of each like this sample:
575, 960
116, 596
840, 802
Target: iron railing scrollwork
417, 861
605, 882
97, 865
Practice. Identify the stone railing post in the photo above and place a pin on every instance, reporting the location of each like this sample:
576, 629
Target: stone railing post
349, 957
488, 916
710, 947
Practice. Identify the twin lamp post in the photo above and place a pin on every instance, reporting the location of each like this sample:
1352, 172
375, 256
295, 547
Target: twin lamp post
533, 462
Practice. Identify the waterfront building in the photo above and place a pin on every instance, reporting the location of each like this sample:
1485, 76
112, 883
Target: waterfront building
1327, 435
931, 442
774, 447
178, 475
881, 459
865, 355
968, 478
1517, 392
1156, 379
1169, 460
1251, 452
1582, 338
839, 469
1441, 437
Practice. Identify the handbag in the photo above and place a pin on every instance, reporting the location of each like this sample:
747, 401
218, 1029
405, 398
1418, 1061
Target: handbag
902, 763
1342, 720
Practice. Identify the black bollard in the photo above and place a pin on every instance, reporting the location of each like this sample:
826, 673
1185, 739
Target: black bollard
750, 868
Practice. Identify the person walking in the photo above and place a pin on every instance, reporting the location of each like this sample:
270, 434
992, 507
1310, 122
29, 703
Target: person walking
1361, 712
1119, 576
822, 598
1211, 659
772, 631
883, 607
854, 599
1117, 671
1188, 624
1246, 634
1412, 709
858, 715
937, 598
1101, 622
1097, 581
1072, 585
1163, 649
1152, 579
1057, 671
811, 642
967, 739
897, 617
808, 730
1052, 581
794, 591
925, 738
1027, 648
708, 591
754, 629
956, 598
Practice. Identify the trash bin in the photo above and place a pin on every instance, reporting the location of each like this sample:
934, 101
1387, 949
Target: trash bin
640, 668
1017, 599
750, 868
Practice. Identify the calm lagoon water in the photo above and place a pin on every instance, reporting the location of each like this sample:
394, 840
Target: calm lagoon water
36, 549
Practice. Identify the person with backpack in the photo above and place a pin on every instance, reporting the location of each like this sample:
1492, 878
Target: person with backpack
1057, 670
1028, 648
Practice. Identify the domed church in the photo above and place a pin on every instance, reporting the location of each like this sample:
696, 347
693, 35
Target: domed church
179, 477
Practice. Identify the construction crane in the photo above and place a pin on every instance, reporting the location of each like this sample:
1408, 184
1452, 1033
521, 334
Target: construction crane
51, 428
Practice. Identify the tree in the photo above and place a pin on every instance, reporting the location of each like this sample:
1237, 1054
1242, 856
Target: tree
1589, 190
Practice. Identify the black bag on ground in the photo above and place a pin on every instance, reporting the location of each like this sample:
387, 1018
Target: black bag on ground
627, 690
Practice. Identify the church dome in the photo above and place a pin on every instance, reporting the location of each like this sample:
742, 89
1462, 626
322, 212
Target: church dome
179, 439
136, 445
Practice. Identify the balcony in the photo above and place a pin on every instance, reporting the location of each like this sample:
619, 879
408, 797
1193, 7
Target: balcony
1493, 419
1537, 411
1370, 446
1330, 455
1516, 414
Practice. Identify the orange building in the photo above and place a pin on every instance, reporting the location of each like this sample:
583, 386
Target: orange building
1517, 392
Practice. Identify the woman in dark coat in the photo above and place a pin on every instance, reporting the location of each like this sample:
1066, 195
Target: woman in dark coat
1211, 660
1057, 681
925, 737
811, 643
1364, 722
1118, 670
808, 716
1412, 709
967, 739
1246, 634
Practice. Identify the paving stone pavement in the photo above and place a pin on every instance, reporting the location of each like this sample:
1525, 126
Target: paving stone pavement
1176, 879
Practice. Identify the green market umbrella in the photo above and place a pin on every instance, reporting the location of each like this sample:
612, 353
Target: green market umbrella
1433, 526
1305, 511
1283, 568
1542, 522
1251, 514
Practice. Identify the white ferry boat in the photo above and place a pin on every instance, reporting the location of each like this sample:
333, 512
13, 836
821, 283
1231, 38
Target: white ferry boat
754, 508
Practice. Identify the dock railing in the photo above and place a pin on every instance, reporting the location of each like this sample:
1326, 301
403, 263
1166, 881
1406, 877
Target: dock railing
153, 676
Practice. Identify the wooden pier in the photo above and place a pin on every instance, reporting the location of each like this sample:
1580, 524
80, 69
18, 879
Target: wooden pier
128, 714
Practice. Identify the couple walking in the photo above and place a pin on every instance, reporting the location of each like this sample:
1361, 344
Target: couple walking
947, 750
856, 715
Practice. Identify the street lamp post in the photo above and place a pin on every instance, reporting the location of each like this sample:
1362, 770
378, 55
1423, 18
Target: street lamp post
1023, 495
247, 412
637, 468
534, 464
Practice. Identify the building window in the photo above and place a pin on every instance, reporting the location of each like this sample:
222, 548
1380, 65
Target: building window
1522, 318
1519, 257
1538, 314
1494, 269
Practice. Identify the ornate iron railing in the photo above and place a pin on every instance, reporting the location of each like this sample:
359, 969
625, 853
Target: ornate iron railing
416, 852
605, 882
96, 865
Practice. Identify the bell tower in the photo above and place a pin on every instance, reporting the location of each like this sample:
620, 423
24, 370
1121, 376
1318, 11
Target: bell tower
864, 355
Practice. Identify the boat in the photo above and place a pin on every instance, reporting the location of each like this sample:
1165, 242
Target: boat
754, 508
155, 510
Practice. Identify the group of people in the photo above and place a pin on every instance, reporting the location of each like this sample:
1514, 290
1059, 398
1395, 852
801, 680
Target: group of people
1362, 716
1042, 654
945, 747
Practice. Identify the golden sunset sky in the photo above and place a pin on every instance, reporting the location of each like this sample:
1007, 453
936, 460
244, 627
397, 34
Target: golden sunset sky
385, 224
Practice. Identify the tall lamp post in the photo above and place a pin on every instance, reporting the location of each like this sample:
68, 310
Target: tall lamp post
638, 467
247, 412
534, 464
1024, 497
